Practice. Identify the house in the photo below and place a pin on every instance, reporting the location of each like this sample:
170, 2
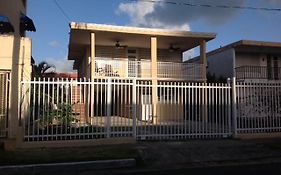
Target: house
15, 61
131, 52
155, 55
255, 61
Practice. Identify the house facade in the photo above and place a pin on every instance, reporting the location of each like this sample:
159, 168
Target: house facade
255, 61
131, 52
15, 61
143, 54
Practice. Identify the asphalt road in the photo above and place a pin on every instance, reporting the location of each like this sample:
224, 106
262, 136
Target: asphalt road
257, 169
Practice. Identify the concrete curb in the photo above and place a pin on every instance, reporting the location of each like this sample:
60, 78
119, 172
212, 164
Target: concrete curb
67, 167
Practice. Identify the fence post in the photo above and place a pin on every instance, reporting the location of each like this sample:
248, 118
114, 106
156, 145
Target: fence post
108, 112
134, 108
234, 109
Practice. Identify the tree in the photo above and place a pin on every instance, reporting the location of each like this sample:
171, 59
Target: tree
43, 70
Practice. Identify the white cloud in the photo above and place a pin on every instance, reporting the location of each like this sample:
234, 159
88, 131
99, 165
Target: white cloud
61, 64
139, 12
171, 16
54, 44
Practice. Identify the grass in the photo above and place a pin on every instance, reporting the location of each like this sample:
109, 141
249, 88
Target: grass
56, 155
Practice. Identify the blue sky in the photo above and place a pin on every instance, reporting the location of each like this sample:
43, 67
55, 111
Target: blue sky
51, 39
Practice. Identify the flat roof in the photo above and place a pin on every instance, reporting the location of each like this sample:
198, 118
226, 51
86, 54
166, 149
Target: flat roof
139, 30
250, 46
135, 37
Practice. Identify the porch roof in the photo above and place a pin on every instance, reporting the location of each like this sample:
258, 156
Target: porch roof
108, 35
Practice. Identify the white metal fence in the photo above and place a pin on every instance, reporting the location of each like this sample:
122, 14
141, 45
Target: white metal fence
57, 109
258, 107
79, 109
4, 97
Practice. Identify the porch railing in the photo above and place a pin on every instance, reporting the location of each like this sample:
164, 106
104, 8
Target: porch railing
142, 69
258, 72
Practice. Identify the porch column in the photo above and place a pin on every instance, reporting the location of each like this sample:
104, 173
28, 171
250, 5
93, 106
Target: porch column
92, 76
203, 59
154, 76
93, 55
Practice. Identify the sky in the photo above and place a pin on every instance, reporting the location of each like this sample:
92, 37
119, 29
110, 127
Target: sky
50, 41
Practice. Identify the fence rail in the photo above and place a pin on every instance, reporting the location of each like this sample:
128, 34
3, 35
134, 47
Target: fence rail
76, 109
258, 107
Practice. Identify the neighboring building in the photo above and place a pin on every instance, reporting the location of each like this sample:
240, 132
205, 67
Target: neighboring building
15, 60
246, 60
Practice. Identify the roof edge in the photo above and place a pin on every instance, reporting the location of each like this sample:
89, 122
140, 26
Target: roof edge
140, 30
245, 43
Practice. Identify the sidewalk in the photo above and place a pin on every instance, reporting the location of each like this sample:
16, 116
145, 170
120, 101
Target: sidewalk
154, 156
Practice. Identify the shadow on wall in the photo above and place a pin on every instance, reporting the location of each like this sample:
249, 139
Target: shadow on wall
212, 78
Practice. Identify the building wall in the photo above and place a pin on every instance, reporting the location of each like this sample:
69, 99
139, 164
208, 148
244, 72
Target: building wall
12, 9
249, 59
108, 52
23, 64
221, 64
254, 59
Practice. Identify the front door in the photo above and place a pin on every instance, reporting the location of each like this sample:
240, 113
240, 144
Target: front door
133, 62
275, 68
269, 67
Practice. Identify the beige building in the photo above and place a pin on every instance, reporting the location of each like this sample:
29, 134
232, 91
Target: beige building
15, 61
156, 55
246, 60
131, 52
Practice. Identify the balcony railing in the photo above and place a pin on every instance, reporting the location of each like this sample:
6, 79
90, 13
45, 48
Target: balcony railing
142, 69
258, 72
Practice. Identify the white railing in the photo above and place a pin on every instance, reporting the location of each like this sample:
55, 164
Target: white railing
122, 68
142, 69
78, 109
185, 71
4, 94
258, 107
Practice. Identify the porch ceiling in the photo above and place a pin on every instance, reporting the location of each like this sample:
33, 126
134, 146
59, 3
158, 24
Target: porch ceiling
107, 35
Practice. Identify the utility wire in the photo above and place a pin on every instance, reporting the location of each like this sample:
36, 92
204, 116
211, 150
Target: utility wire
210, 6
62, 11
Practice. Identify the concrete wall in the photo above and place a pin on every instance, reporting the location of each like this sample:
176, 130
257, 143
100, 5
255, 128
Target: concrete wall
12, 9
249, 59
15, 57
254, 59
108, 52
8, 44
221, 64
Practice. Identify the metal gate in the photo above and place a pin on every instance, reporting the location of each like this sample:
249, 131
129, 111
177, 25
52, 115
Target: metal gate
4, 98
55, 109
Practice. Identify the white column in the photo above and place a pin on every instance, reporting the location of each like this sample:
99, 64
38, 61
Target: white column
154, 76
203, 59
93, 55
